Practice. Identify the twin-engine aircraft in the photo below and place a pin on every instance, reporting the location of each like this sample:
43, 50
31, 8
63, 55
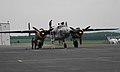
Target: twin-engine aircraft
60, 33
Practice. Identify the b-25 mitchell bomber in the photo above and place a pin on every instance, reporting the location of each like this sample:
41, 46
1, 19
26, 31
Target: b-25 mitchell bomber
60, 33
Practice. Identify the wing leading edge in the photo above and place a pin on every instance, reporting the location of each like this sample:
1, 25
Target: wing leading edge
25, 31
99, 29
33, 31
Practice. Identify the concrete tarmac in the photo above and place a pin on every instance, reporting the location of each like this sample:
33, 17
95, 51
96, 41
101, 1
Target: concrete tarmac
90, 58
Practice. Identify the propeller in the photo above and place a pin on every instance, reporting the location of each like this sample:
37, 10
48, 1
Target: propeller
77, 33
40, 31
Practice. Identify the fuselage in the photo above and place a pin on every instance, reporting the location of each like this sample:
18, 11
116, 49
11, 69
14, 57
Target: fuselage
60, 32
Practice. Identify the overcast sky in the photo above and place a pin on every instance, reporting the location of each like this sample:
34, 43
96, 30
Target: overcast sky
78, 13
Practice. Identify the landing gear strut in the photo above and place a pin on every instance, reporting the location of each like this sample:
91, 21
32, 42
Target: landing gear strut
65, 45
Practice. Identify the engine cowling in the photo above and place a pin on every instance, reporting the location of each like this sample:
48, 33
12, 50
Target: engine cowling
77, 33
41, 33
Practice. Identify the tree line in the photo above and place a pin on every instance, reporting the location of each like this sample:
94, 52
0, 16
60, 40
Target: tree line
86, 36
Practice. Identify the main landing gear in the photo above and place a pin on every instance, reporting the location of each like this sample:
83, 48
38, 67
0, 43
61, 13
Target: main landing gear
65, 45
37, 44
75, 43
40, 44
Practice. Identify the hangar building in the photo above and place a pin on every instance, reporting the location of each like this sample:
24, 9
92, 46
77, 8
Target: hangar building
4, 37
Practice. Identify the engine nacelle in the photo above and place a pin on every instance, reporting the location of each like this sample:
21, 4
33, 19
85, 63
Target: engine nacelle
41, 33
79, 33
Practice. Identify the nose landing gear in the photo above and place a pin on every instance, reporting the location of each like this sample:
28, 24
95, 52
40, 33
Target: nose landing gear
65, 44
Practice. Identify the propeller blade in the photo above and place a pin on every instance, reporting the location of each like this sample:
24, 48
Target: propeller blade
72, 28
80, 40
36, 29
50, 24
87, 28
29, 28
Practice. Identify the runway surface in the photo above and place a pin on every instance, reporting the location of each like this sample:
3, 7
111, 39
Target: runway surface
91, 58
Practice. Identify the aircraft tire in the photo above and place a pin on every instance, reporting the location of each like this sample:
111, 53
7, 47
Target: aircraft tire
65, 45
75, 43
39, 45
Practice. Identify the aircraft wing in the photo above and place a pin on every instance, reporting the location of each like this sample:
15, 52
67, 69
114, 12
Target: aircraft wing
77, 33
99, 29
25, 31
